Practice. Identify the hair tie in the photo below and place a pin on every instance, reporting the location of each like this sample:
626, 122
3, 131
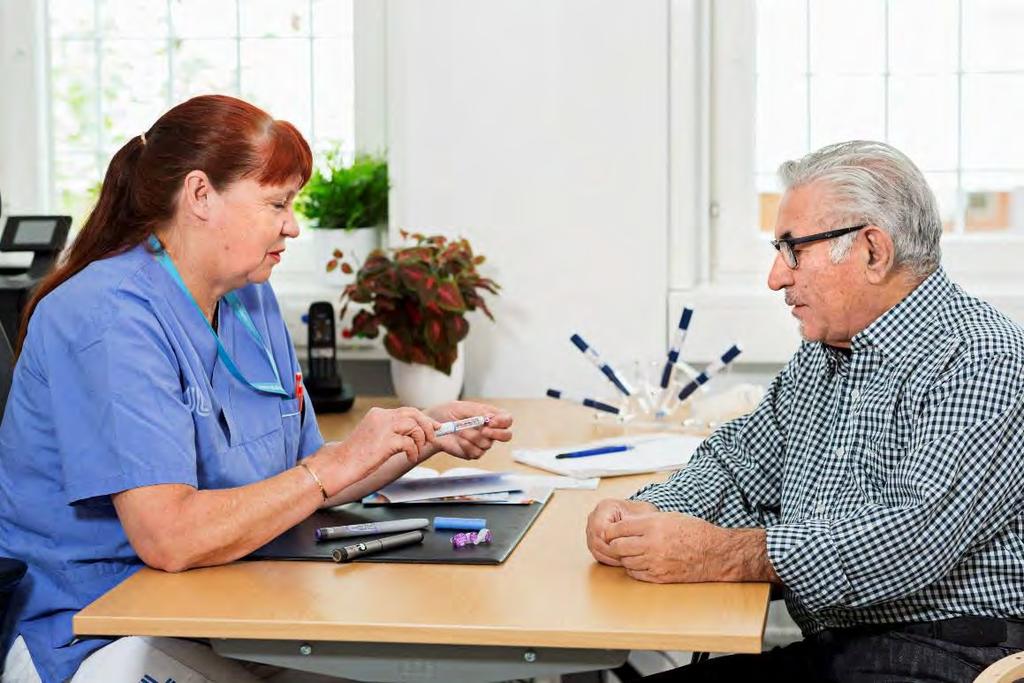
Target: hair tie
142, 136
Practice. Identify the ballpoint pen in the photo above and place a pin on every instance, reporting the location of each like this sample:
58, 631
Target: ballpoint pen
603, 450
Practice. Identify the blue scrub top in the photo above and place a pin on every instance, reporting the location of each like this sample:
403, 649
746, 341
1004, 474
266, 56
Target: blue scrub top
119, 386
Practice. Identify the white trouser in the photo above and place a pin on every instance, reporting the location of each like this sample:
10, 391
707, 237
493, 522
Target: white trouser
155, 660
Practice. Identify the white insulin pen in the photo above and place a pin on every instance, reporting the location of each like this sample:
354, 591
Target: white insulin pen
327, 533
677, 345
710, 371
608, 371
588, 402
459, 425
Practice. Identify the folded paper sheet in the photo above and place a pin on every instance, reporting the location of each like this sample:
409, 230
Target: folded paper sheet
650, 453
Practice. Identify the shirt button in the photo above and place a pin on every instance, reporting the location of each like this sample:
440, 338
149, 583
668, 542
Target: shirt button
855, 394
819, 509
840, 452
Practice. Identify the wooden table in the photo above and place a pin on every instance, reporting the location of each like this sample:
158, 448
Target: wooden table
548, 609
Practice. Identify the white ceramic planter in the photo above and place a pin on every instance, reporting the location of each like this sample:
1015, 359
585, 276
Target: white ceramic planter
421, 386
356, 245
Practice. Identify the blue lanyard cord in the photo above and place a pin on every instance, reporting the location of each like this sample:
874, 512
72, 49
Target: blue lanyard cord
243, 316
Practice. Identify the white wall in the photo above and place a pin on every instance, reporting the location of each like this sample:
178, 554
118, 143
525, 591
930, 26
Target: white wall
540, 131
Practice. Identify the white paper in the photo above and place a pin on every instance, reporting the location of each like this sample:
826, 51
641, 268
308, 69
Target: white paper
425, 483
650, 453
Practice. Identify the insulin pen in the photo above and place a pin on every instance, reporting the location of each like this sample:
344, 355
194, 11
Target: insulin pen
459, 425
710, 371
351, 552
370, 528
607, 370
677, 344
583, 400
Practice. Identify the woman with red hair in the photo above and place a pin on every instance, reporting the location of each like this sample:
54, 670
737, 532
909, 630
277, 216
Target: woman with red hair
153, 416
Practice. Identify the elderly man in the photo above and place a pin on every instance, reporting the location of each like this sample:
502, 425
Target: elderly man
880, 482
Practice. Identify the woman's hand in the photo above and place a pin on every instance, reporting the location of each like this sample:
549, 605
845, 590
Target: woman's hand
378, 436
470, 444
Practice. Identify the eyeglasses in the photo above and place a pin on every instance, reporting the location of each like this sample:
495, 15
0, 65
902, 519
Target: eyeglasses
786, 244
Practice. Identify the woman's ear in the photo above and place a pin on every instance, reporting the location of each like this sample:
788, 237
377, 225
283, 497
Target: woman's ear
881, 254
196, 195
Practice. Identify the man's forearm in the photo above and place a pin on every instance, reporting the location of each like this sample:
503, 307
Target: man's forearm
742, 555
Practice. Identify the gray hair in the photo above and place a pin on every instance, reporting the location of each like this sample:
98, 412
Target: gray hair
872, 182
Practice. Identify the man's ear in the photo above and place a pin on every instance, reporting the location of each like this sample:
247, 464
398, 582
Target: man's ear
196, 194
880, 254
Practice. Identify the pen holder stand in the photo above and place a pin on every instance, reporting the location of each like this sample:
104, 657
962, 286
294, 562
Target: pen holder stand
651, 408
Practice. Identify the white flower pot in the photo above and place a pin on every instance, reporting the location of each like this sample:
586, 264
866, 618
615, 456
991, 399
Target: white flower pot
356, 245
421, 386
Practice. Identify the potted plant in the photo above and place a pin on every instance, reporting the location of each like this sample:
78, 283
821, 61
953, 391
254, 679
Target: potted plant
347, 204
420, 295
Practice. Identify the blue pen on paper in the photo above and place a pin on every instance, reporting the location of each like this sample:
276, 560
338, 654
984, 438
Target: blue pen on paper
710, 371
583, 400
608, 371
593, 451
677, 345
469, 523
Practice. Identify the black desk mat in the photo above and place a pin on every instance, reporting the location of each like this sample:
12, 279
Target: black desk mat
508, 523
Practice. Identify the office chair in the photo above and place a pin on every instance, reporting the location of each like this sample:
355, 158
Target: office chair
11, 570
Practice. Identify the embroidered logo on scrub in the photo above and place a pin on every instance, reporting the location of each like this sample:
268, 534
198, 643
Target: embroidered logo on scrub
196, 401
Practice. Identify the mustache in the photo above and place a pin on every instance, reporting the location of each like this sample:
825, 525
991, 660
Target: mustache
791, 299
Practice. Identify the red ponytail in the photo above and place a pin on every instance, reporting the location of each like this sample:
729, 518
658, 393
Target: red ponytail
224, 137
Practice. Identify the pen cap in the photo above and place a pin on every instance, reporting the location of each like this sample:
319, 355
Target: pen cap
684, 319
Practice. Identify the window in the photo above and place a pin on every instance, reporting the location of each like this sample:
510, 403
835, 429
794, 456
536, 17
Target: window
116, 65
943, 80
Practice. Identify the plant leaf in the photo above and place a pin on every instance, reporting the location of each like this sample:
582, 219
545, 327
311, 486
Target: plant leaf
332, 264
397, 347
450, 298
456, 327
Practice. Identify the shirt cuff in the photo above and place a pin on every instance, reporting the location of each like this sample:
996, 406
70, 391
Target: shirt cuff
806, 559
659, 497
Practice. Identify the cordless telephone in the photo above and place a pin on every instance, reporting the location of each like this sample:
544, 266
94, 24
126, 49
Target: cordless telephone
323, 380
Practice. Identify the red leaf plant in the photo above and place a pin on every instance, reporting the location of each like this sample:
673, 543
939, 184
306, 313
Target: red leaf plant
420, 295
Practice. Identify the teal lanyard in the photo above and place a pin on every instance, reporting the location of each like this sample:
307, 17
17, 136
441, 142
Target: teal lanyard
240, 312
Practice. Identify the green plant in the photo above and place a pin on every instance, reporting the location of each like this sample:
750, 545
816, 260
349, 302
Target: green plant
346, 196
420, 295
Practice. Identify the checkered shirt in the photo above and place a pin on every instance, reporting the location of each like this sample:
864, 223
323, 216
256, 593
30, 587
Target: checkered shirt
890, 480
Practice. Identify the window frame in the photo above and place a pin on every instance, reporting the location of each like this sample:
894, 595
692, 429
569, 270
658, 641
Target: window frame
292, 283
725, 276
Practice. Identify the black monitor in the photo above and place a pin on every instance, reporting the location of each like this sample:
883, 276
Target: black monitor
35, 233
